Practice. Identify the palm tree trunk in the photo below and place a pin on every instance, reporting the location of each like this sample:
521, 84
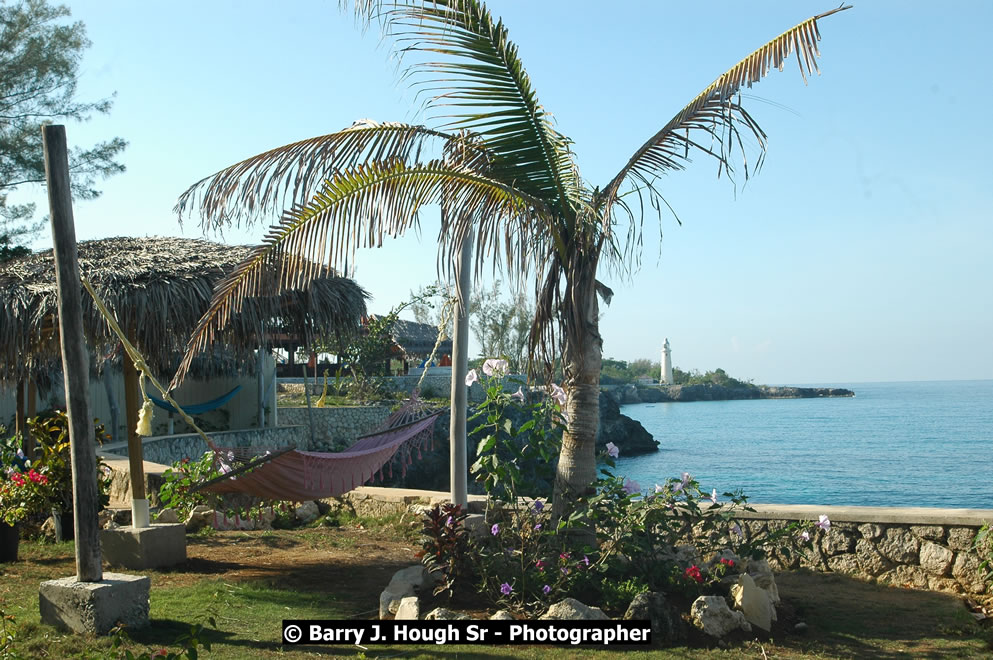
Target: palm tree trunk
581, 355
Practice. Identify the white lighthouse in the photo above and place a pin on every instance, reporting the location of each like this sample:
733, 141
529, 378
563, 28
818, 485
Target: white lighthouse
666, 376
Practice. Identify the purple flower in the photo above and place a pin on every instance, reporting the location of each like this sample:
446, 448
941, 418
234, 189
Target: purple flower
537, 526
546, 589
505, 589
495, 529
471, 378
805, 535
823, 523
539, 505
565, 571
631, 487
449, 521
519, 394
495, 367
612, 450
586, 560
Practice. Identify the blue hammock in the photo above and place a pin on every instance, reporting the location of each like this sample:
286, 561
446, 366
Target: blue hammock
198, 408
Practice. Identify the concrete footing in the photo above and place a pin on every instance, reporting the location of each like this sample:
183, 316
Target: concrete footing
95, 607
144, 547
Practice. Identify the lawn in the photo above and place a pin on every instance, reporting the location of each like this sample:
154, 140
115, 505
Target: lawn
250, 581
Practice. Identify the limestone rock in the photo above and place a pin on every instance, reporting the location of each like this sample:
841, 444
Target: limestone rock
847, 564
870, 561
444, 614
936, 559
966, 571
628, 434
961, 538
105, 516
475, 524
307, 512
572, 610
409, 609
761, 573
405, 583
907, 576
753, 602
502, 615
928, 532
871, 531
167, 516
712, 615
899, 545
122, 517
200, 517
48, 529
667, 626
838, 542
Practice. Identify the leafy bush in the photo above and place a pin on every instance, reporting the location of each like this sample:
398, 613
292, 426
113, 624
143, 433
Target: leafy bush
983, 545
177, 491
445, 545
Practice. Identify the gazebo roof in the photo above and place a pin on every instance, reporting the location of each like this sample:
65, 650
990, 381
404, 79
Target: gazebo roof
158, 288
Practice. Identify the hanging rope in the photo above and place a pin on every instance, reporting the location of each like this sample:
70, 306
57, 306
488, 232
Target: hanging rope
447, 309
147, 407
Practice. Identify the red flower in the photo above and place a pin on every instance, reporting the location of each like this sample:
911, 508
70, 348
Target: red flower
693, 573
728, 562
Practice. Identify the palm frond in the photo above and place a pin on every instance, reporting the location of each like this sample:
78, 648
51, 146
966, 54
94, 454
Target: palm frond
717, 116
358, 208
480, 85
276, 179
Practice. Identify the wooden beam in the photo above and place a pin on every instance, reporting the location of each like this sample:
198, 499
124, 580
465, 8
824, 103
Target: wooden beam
132, 401
75, 358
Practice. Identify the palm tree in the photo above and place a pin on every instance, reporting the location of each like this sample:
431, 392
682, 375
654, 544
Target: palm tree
504, 176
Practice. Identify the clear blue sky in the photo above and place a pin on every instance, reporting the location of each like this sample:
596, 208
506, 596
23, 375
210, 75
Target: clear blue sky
861, 252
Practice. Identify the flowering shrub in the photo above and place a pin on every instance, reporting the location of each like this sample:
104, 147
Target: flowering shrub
22, 494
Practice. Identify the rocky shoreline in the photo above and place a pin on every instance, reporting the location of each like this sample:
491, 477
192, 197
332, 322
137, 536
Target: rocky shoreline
627, 394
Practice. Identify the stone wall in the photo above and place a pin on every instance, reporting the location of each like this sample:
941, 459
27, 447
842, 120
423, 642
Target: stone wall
910, 547
335, 428
167, 449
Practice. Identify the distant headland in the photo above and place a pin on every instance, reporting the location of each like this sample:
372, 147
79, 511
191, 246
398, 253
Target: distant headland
624, 394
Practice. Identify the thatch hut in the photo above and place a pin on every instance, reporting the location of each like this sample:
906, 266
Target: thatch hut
158, 288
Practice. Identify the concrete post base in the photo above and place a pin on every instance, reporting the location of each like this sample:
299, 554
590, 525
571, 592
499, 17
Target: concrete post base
161, 544
95, 607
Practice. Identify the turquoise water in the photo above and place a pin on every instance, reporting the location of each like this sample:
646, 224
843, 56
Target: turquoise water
894, 444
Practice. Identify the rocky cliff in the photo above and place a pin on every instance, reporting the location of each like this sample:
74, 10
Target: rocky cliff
634, 394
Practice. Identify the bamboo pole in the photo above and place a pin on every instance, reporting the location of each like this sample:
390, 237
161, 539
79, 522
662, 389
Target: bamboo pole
75, 358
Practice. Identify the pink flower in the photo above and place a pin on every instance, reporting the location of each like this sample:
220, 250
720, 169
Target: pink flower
682, 484
713, 496
693, 573
805, 535
659, 489
495, 367
631, 487
540, 565
559, 395
823, 523
471, 378
519, 394
612, 450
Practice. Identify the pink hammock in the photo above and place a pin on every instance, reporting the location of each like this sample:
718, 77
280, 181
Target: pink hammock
296, 476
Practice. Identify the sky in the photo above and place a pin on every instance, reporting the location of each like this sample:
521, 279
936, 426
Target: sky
861, 251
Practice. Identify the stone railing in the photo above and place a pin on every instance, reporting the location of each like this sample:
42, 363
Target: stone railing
167, 449
921, 548
335, 428
914, 547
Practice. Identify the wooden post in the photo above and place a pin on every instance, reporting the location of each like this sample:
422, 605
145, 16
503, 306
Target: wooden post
27, 440
20, 414
136, 462
75, 358
260, 382
460, 366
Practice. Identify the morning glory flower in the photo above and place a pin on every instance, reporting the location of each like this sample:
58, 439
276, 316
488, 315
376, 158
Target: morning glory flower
539, 505
682, 484
449, 521
612, 450
736, 528
537, 527
519, 394
659, 489
558, 394
505, 589
713, 496
823, 523
495, 529
631, 487
546, 589
495, 367
471, 378
805, 535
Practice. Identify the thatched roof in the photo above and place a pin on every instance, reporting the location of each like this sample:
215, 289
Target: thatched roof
417, 339
158, 288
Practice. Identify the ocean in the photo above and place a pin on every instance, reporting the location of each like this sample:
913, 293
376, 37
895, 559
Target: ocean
894, 444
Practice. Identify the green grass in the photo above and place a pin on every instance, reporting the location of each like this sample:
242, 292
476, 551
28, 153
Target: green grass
846, 618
